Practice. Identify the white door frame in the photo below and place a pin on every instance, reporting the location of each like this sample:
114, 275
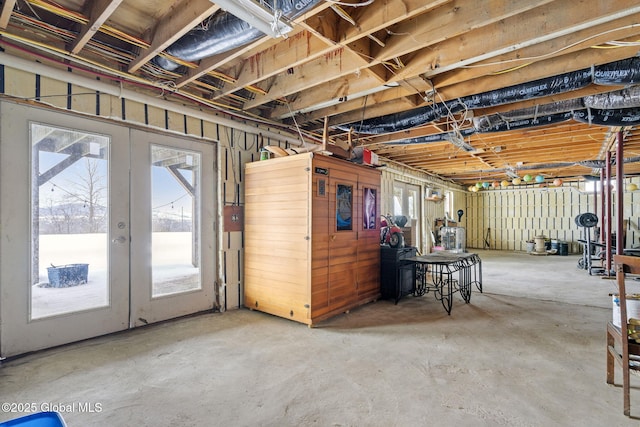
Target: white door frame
145, 308
129, 292
19, 333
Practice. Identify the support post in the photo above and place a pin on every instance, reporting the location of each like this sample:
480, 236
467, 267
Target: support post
607, 215
620, 194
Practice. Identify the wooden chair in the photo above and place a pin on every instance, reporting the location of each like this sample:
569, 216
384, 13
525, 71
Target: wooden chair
620, 348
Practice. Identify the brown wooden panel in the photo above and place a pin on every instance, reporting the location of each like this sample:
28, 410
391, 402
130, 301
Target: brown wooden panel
295, 252
331, 279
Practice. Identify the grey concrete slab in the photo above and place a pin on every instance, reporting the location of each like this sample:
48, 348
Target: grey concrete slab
530, 351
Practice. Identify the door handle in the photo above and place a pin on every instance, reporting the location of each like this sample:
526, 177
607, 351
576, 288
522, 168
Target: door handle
119, 239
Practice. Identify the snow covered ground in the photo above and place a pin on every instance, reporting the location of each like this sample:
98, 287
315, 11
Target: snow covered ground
172, 270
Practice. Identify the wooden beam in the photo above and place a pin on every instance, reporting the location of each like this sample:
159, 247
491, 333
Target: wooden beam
98, 14
557, 19
450, 21
291, 53
182, 18
624, 29
373, 19
377, 110
5, 14
337, 64
542, 69
425, 24
349, 105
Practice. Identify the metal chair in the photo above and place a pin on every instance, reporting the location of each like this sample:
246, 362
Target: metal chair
621, 347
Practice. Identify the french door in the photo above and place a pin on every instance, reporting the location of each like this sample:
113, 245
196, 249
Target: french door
172, 227
104, 228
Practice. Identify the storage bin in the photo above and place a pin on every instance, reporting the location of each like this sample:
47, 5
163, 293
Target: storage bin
40, 419
68, 275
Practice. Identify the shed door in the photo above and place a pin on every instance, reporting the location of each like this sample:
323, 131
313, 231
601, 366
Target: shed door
344, 224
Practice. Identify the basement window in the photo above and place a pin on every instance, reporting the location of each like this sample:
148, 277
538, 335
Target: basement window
591, 186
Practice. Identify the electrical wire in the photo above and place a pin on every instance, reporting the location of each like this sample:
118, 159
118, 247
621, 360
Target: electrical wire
361, 4
557, 51
122, 77
295, 122
171, 202
81, 19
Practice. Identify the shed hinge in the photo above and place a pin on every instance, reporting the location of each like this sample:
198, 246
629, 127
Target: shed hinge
307, 238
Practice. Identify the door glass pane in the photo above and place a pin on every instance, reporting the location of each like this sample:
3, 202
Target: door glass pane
69, 220
414, 202
370, 208
175, 203
344, 213
397, 200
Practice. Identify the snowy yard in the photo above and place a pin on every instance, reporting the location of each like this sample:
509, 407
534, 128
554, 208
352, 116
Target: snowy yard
172, 270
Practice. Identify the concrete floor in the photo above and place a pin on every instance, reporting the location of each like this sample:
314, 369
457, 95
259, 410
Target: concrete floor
530, 351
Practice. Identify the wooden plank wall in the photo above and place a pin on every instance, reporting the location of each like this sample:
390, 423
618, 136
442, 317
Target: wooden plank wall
277, 222
514, 216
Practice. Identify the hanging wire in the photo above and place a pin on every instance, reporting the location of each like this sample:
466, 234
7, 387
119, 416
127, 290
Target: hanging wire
171, 202
361, 4
78, 197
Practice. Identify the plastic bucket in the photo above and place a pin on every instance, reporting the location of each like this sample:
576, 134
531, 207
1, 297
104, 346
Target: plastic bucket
633, 308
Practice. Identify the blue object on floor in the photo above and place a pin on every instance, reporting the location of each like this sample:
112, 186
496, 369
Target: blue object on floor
41, 419
67, 275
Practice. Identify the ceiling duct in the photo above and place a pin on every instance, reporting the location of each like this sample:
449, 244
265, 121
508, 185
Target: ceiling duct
625, 98
593, 164
429, 139
223, 33
528, 122
404, 120
617, 117
554, 85
485, 122
624, 72
259, 15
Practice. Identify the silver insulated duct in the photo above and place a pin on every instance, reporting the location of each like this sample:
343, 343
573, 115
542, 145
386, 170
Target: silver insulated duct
223, 33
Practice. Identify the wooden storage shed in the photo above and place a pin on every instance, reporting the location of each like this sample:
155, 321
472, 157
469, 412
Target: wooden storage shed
311, 236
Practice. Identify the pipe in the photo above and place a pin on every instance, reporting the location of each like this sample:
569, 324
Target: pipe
529, 122
608, 213
617, 117
620, 195
623, 72
484, 122
534, 89
223, 33
103, 87
601, 188
624, 98
405, 120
